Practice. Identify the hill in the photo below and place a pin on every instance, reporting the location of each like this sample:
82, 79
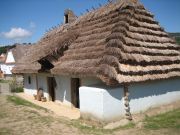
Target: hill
3, 49
176, 36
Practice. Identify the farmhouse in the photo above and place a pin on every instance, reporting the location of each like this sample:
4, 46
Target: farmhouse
113, 61
12, 57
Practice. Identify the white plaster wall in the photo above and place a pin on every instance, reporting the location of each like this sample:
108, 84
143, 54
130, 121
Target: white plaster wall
10, 58
101, 102
42, 83
91, 101
106, 103
113, 103
152, 94
30, 89
7, 68
63, 90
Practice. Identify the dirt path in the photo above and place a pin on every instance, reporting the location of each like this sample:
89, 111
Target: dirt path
21, 120
24, 120
60, 110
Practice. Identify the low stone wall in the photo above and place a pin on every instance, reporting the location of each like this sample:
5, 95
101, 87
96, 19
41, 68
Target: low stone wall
5, 88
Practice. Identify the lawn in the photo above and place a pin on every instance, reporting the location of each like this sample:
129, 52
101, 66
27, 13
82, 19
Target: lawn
19, 101
166, 120
18, 116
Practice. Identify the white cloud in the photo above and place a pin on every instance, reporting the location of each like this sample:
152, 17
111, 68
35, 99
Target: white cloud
17, 33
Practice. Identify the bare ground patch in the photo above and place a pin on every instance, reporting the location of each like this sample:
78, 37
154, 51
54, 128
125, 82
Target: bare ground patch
28, 119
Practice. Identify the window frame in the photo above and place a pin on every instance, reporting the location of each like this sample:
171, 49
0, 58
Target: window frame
29, 79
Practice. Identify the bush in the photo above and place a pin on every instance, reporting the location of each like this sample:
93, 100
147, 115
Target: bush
17, 89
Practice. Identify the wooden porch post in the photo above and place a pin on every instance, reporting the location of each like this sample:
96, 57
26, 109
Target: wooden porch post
126, 102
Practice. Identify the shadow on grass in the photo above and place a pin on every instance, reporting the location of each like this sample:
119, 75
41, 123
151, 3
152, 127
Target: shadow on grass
19, 101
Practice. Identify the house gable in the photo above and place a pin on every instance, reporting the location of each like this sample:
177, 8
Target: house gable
10, 58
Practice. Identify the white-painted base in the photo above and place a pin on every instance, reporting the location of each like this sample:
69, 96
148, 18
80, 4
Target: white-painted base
106, 103
152, 94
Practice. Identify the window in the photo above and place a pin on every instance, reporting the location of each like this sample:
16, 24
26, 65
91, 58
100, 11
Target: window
29, 80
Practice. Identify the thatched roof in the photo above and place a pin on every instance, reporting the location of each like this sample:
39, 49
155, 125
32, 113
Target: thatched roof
20, 51
118, 43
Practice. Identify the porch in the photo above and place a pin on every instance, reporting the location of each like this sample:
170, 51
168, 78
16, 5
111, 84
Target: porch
60, 110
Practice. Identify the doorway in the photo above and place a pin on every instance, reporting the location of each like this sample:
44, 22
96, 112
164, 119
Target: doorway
51, 87
75, 84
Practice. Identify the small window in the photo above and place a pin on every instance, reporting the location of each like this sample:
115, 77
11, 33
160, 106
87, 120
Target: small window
29, 79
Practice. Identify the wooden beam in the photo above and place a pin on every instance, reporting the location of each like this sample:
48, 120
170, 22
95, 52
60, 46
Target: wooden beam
126, 103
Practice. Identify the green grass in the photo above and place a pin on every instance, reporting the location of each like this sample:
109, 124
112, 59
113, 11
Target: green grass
177, 40
4, 81
5, 131
127, 126
17, 89
90, 129
166, 120
19, 101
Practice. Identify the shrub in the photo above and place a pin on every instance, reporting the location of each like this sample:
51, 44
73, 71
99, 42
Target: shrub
17, 89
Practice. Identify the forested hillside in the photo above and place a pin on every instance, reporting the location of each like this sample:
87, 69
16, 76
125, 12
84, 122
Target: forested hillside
176, 36
3, 49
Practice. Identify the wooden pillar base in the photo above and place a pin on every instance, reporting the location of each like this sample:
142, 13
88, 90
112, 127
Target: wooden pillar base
126, 103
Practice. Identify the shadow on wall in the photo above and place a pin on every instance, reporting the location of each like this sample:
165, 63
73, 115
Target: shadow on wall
154, 88
111, 90
144, 89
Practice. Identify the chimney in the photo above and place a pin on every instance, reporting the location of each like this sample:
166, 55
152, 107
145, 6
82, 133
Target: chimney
69, 16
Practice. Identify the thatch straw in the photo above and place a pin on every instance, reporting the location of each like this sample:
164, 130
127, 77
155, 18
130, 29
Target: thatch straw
118, 43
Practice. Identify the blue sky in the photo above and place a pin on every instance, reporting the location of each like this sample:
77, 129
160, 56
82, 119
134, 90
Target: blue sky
29, 19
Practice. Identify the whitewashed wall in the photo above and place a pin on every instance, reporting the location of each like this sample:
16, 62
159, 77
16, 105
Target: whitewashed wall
9, 64
30, 88
63, 90
6, 68
152, 94
106, 103
102, 103
42, 83
10, 58
99, 101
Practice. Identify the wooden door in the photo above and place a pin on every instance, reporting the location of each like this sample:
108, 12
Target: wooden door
75, 84
51, 88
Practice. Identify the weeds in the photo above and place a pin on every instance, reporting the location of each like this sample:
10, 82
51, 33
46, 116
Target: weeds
20, 101
166, 120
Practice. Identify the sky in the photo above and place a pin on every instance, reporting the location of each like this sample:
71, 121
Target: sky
25, 21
